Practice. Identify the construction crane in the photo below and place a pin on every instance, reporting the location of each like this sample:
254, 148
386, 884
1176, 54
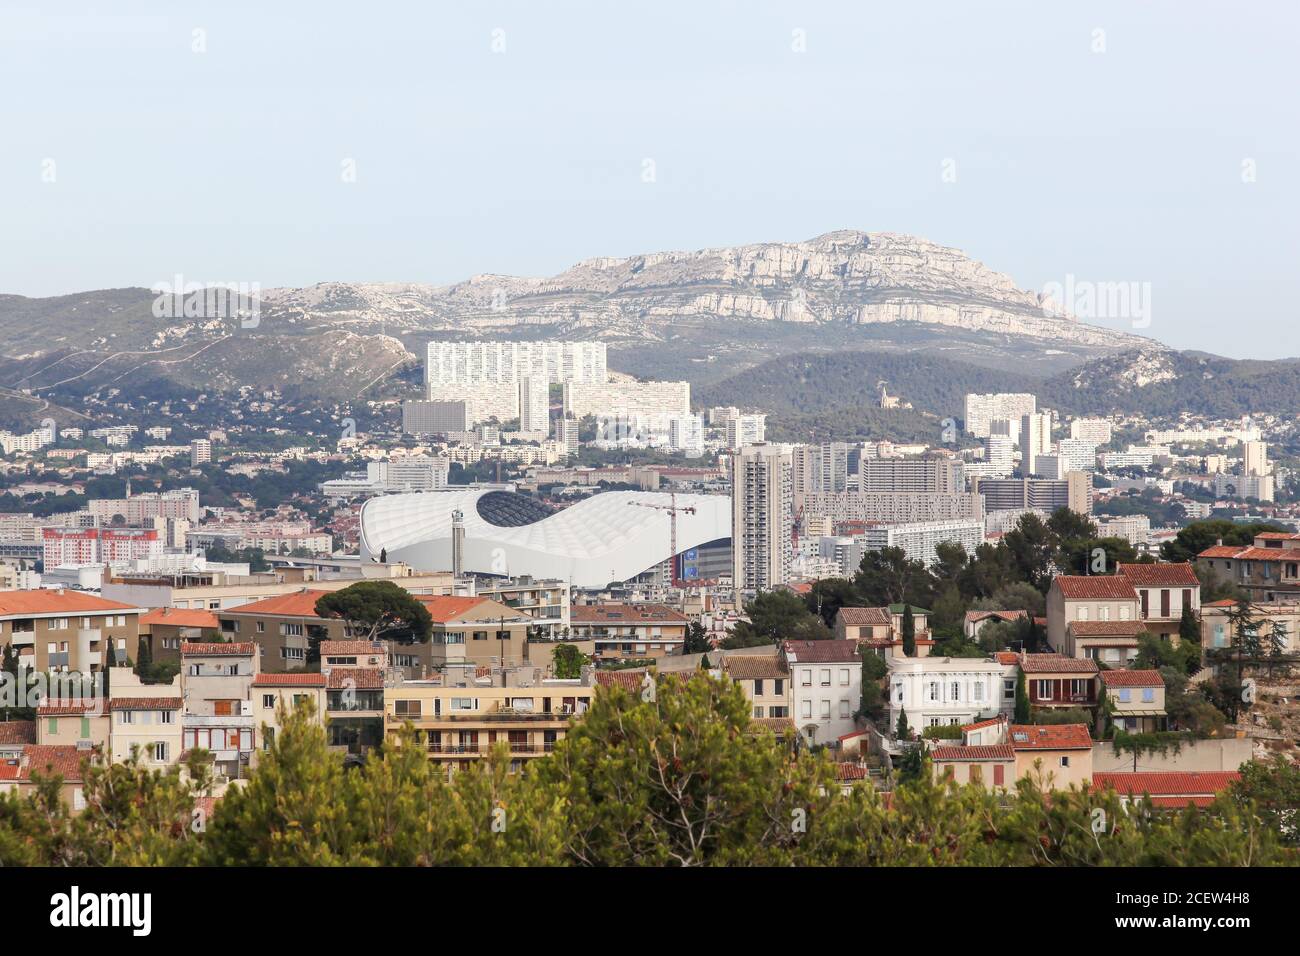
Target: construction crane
673, 511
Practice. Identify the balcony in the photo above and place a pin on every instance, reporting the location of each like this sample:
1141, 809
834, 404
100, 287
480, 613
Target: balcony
483, 748
219, 720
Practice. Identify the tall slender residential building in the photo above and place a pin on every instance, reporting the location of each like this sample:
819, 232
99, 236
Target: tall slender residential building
982, 410
1035, 440
762, 517
534, 404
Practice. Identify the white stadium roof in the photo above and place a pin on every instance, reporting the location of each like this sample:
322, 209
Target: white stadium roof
600, 539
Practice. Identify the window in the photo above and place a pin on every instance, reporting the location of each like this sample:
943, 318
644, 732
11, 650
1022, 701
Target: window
978, 688
807, 678
955, 691
1103, 614
291, 630
53, 725
1044, 690
998, 775
463, 703
1082, 614
826, 710
778, 687
805, 709
976, 773
758, 687
480, 635
844, 708
1065, 761
844, 677
166, 716
159, 748
933, 690
898, 693
1148, 695
126, 716
268, 701
758, 712
826, 677
1009, 689
261, 627
1125, 695
407, 708
85, 728
1125, 613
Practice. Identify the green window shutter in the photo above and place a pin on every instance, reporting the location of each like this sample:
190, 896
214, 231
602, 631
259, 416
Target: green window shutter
54, 725
85, 728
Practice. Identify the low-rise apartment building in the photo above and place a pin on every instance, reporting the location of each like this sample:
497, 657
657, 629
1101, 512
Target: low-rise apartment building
629, 631
826, 687
217, 681
1059, 682
1136, 699
765, 680
949, 691
279, 695
1163, 591
463, 717
1087, 598
1268, 570
57, 630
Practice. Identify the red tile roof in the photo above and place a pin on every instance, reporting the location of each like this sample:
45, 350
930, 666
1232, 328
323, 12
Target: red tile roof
17, 732
864, 616
1221, 551
972, 616
71, 707
1251, 553
1007, 657
445, 608
1161, 575
298, 604
1226, 602
625, 614
1132, 679
48, 759
974, 752
145, 703
823, 652
850, 771
1057, 664
1095, 587
991, 722
1106, 628
218, 649
289, 680
754, 667
49, 601
1169, 783
180, 617
1049, 737
351, 648
356, 678
630, 679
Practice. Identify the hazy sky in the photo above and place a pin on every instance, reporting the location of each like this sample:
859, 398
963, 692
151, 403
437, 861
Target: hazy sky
514, 138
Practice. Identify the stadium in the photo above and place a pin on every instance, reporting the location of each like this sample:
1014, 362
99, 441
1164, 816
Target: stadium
609, 537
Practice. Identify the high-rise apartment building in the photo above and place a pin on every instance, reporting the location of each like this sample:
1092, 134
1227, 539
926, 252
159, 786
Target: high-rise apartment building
200, 452
1035, 440
909, 475
745, 430
982, 410
1254, 458
1094, 431
1074, 491
762, 517
435, 418
1078, 454
534, 404
486, 363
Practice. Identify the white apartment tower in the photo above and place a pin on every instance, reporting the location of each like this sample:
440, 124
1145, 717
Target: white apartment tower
1035, 440
534, 404
500, 363
761, 518
982, 410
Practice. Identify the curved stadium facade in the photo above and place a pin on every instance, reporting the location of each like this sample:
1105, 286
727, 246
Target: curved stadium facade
607, 537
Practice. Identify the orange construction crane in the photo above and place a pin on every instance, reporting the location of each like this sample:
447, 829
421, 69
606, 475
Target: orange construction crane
673, 511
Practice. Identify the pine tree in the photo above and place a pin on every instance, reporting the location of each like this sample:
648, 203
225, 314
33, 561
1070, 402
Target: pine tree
1189, 629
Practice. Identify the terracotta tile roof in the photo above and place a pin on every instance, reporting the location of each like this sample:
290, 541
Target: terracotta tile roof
1095, 587
754, 667
296, 604
17, 732
864, 616
289, 680
1132, 679
1278, 536
973, 616
974, 752
356, 678
850, 771
446, 608
625, 614
1269, 554
218, 649
779, 725
351, 648
47, 759
145, 703
71, 707
823, 652
991, 722
1106, 628
1226, 602
1161, 575
1221, 551
629, 680
180, 617
1170, 783
1178, 803
1049, 737
1007, 657
10, 769
49, 601
1057, 664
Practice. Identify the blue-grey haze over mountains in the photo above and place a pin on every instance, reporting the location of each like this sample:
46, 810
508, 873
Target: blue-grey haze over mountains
515, 138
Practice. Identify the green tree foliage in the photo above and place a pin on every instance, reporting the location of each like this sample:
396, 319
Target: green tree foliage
1199, 535
1272, 791
889, 576
697, 641
1022, 712
776, 616
901, 729
1155, 653
568, 661
909, 631
1189, 628
375, 610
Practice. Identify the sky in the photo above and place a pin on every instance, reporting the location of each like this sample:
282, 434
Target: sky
1151, 146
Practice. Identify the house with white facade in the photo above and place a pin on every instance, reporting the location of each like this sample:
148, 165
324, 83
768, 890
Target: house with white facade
825, 687
943, 691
